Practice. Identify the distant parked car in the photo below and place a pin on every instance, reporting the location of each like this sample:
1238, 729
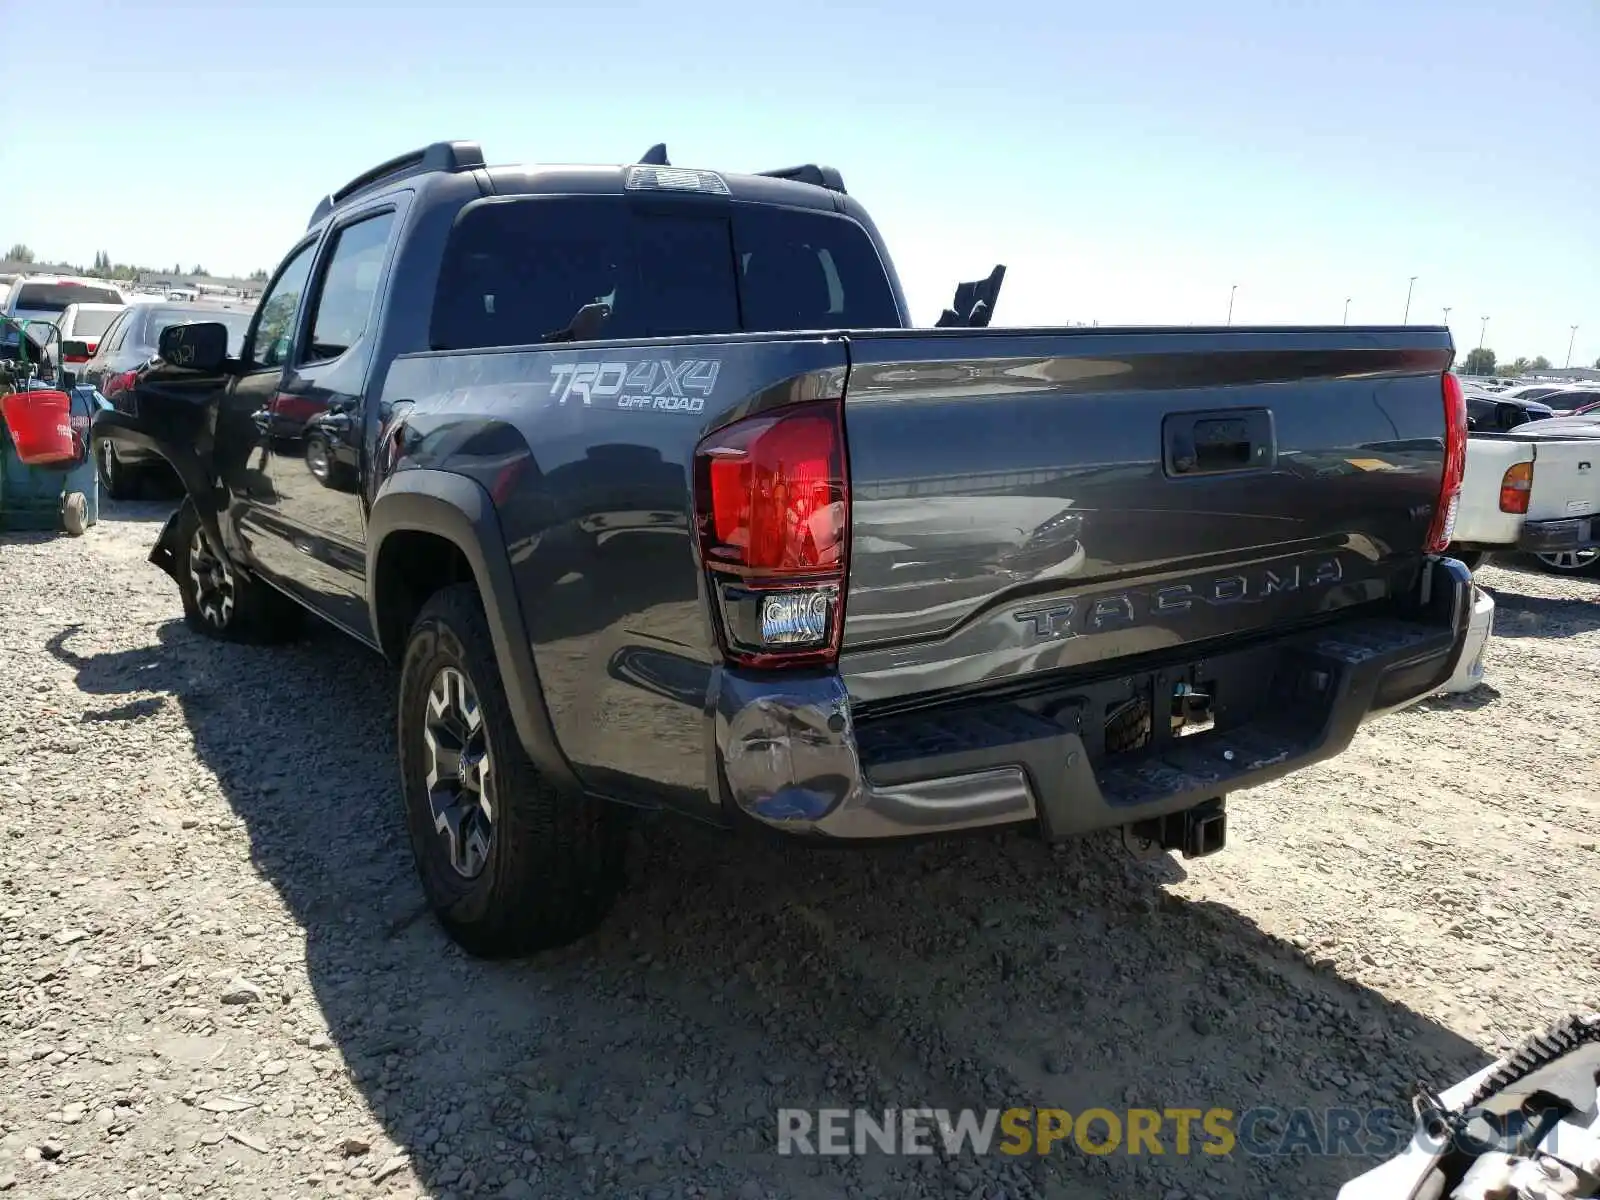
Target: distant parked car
1575, 400
1532, 391
84, 323
127, 344
1499, 412
46, 298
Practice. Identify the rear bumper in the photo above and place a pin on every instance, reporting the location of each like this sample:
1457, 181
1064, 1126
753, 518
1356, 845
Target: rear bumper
792, 756
1552, 537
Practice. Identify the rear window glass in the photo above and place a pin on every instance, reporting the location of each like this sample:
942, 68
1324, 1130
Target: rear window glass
54, 297
517, 271
805, 270
93, 322
158, 318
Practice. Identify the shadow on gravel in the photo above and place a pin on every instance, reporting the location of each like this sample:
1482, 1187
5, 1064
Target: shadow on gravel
1517, 615
134, 710
737, 977
1479, 697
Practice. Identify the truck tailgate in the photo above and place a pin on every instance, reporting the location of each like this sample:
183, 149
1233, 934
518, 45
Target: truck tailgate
1027, 501
1566, 479
1480, 520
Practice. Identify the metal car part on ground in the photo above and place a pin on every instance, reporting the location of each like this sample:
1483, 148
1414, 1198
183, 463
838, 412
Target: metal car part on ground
1526, 1127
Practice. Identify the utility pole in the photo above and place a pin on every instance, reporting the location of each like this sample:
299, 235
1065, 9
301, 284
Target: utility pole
1347, 310
1406, 320
1231, 291
1481, 330
1570, 340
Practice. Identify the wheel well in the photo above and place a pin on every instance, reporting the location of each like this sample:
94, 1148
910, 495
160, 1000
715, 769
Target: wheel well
411, 566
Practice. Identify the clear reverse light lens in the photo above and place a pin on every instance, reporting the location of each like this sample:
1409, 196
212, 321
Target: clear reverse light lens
795, 618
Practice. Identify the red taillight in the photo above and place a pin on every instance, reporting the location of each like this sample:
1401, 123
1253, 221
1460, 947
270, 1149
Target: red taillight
772, 499
1515, 487
117, 384
1455, 466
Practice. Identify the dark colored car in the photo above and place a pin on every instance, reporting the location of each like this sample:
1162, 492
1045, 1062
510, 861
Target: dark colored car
1493, 412
124, 349
657, 501
1575, 401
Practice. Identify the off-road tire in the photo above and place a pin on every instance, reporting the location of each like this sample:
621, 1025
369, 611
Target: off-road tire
256, 612
555, 860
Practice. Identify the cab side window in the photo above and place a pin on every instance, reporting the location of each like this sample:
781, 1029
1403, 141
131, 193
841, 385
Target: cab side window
272, 341
348, 287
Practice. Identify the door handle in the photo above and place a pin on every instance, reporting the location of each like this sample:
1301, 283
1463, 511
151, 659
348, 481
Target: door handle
1214, 442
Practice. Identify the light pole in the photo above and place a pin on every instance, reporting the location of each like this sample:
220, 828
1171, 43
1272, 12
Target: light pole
1406, 320
1347, 310
1570, 340
1231, 291
1482, 329
1447, 315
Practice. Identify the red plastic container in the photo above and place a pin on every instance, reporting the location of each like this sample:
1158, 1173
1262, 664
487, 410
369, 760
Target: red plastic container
41, 426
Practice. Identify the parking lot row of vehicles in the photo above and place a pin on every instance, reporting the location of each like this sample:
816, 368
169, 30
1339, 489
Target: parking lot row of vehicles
106, 335
1494, 407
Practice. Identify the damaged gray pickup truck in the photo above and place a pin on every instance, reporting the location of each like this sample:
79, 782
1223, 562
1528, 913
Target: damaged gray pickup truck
645, 482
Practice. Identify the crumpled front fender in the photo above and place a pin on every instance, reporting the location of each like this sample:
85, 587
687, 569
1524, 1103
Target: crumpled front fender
126, 429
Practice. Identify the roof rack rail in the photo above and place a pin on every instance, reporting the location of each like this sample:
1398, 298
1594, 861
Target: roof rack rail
825, 177
440, 156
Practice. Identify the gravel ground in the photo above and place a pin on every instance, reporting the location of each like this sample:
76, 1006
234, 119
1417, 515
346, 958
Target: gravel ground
217, 977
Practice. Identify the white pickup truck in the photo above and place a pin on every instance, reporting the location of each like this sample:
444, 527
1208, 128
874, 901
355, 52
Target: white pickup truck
1535, 490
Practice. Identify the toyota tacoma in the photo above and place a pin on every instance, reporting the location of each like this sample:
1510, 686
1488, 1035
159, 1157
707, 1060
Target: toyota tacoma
645, 482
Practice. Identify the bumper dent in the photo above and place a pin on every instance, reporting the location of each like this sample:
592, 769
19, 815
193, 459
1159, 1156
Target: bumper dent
791, 761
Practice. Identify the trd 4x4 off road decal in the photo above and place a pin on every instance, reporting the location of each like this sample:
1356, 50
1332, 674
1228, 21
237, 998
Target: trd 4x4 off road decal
657, 384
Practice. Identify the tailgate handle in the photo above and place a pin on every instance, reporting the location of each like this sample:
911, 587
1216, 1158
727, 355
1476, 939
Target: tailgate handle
1215, 442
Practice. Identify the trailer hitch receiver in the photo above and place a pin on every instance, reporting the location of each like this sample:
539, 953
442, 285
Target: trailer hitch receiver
1196, 832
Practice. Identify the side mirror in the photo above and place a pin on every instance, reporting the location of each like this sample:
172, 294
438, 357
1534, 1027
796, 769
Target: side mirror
201, 346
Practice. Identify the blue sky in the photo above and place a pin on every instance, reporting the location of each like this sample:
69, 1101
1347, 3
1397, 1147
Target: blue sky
1128, 162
